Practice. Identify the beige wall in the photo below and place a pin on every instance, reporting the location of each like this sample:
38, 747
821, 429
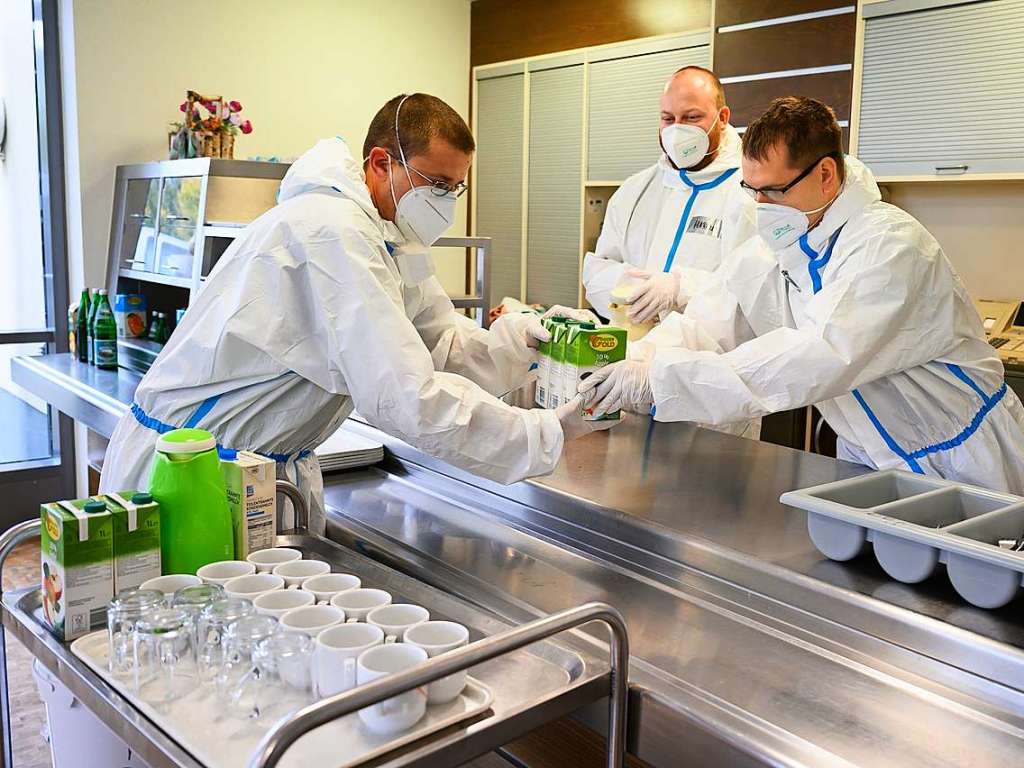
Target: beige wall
980, 226
303, 70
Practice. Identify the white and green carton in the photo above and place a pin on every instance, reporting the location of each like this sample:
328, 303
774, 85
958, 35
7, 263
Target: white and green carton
556, 381
77, 555
251, 482
544, 362
588, 349
136, 538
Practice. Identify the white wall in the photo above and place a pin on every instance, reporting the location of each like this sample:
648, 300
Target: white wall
980, 226
303, 70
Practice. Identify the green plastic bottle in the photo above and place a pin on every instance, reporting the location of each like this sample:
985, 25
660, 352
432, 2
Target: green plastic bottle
195, 520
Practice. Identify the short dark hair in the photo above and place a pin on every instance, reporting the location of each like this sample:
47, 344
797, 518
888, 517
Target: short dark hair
719, 88
805, 127
422, 118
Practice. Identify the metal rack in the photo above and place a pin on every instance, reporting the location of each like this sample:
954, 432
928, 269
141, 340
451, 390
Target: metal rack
518, 707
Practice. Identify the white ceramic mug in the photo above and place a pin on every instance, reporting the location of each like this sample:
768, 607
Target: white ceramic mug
327, 585
252, 586
437, 637
400, 712
224, 571
311, 619
396, 619
294, 572
356, 603
334, 658
280, 601
266, 560
171, 583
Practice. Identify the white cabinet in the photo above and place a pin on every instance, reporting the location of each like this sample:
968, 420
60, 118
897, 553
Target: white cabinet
942, 90
498, 189
554, 186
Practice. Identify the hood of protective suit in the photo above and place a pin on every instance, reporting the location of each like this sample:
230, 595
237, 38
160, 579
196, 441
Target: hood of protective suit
729, 154
329, 167
859, 190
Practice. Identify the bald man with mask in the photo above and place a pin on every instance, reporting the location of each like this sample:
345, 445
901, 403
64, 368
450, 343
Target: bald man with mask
670, 224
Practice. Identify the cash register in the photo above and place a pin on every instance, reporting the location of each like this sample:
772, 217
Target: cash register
1004, 329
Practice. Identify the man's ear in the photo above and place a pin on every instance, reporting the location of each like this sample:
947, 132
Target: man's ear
377, 162
829, 172
723, 116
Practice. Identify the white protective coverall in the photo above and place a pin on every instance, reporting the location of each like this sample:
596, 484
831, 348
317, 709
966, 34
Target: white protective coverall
306, 316
875, 328
662, 219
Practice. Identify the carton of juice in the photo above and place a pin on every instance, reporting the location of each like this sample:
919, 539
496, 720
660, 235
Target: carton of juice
556, 381
77, 561
588, 349
544, 363
136, 538
251, 482
130, 315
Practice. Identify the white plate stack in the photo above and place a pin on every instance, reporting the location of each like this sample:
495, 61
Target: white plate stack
344, 450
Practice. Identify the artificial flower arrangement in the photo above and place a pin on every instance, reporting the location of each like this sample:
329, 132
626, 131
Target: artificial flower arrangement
209, 136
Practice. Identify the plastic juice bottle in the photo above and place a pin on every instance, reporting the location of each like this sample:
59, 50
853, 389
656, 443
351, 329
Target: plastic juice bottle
104, 332
195, 520
544, 364
89, 319
82, 327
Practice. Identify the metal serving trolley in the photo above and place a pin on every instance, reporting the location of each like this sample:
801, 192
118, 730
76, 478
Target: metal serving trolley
534, 679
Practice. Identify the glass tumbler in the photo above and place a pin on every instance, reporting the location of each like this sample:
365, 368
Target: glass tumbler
192, 600
283, 678
237, 678
213, 622
123, 613
163, 651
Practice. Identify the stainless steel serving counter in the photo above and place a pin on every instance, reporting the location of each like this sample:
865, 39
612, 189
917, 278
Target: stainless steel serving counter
748, 648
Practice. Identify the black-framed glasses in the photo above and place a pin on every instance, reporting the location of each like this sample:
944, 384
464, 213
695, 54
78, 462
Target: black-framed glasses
437, 186
777, 194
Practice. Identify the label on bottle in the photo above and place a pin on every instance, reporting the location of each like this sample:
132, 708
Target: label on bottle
105, 352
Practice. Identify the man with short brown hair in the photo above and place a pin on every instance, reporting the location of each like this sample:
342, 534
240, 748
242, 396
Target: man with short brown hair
843, 302
329, 302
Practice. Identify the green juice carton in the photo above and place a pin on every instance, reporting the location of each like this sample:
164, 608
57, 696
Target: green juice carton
136, 538
251, 482
588, 349
77, 560
556, 381
544, 363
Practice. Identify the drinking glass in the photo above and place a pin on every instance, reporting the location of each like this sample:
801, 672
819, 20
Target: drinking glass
237, 675
123, 613
283, 679
163, 651
214, 621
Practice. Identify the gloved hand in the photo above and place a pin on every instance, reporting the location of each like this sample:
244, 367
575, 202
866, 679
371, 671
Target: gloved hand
659, 293
622, 385
582, 315
525, 326
570, 416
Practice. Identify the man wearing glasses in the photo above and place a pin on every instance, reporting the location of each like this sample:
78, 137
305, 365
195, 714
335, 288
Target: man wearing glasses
844, 302
328, 302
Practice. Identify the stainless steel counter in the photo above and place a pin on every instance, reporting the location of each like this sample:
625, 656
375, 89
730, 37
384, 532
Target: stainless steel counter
748, 647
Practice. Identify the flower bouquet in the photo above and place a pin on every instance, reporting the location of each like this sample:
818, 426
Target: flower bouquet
212, 135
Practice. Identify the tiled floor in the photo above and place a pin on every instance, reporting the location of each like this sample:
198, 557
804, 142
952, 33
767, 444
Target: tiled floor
27, 713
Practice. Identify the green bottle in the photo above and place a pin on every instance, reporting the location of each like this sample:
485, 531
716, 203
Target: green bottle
82, 327
89, 320
195, 519
104, 334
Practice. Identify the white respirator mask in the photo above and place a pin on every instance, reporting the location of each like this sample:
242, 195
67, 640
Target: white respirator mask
686, 145
782, 225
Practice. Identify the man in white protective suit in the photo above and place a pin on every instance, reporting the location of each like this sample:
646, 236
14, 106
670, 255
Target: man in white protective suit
329, 302
844, 302
670, 224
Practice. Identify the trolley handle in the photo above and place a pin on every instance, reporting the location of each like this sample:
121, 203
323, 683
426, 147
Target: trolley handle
277, 741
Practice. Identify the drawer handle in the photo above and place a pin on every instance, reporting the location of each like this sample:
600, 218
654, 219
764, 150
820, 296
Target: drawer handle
139, 216
186, 218
951, 169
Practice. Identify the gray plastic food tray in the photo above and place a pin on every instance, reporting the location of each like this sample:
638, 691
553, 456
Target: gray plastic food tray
914, 523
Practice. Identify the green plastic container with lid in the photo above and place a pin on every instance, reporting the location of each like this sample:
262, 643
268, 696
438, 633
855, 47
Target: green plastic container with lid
195, 521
